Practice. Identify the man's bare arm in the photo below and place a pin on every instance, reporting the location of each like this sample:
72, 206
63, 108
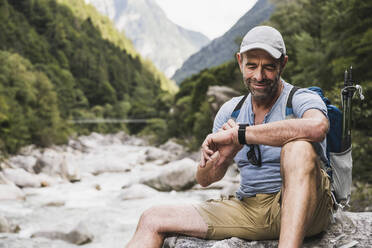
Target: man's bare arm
313, 127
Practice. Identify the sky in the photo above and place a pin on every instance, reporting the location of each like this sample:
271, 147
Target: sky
210, 17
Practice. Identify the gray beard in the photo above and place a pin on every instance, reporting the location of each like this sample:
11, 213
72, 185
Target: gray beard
269, 93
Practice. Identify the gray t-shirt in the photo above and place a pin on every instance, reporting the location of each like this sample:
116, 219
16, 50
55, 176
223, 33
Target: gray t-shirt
267, 179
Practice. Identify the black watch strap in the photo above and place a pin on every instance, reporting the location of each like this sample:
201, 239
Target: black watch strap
241, 133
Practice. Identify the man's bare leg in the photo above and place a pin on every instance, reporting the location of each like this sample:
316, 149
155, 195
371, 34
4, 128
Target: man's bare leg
157, 221
301, 175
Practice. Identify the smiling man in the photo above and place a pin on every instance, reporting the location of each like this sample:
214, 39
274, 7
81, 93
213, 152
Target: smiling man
284, 192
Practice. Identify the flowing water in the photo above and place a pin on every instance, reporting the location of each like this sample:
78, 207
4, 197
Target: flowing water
93, 203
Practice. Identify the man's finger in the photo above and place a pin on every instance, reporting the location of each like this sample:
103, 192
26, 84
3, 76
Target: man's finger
206, 156
202, 161
225, 126
208, 145
231, 123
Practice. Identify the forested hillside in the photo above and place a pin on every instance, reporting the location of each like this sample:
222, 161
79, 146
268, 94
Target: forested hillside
56, 66
109, 32
323, 38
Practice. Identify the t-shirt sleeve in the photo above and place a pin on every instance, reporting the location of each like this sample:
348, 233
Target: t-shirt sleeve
224, 113
304, 100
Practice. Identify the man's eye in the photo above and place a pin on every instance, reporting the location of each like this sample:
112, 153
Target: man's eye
270, 68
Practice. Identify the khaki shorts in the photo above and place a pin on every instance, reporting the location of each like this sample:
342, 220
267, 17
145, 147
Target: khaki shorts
258, 217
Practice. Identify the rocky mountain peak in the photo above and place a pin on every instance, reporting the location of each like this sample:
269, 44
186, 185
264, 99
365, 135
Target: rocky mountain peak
152, 33
223, 49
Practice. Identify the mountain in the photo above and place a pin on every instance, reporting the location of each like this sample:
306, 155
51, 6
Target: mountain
154, 36
58, 64
224, 48
110, 33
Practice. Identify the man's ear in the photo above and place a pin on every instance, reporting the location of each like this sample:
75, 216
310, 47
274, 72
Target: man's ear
285, 60
239, 58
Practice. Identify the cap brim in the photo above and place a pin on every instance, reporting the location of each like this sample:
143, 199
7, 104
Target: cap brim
272, 51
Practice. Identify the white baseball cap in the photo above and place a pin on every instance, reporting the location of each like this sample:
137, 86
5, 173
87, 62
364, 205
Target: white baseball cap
266, 38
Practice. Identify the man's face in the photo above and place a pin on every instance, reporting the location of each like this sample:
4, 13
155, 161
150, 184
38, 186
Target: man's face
261, 74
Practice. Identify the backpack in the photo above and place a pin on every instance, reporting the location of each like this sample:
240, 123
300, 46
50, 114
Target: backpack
339, 166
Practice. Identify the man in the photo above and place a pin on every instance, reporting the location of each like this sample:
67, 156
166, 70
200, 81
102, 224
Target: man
283, 191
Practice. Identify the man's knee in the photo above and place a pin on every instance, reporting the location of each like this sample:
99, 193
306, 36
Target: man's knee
298, 157
150, 219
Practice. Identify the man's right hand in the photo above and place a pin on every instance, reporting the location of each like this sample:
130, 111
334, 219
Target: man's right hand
225, 141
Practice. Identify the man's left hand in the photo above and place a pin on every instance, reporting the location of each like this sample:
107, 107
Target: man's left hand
225, 141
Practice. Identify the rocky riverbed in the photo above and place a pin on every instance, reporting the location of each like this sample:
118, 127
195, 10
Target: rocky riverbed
91, 192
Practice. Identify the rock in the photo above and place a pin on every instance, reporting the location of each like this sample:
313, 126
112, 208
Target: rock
78, 236
91, 141
22, 178
85, 143
135, 141
57, 164
49, 162
178, 175
159, 155
77, 145
137, 191
30, 150
175, 149
7, 227
4, 180
24, 162
4, 225
232, 173
218, 95
349, 229
115, 139
104, 166
11, 192
195, 156
70, 171
229, 189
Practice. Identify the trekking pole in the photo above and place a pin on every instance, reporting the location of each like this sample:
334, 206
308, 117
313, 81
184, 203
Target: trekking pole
347, 96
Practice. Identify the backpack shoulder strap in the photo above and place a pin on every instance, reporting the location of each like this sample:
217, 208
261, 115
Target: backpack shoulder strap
289, 106
237, 108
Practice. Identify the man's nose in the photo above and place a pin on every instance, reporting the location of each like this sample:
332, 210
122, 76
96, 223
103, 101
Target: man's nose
258, 74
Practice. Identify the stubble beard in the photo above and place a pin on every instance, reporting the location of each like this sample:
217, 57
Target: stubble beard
266, 94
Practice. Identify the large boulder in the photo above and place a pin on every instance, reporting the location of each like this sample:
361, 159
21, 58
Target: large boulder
178, 175
218, 95
349, 230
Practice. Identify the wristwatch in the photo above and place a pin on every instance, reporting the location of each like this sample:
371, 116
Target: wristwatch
241, 134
